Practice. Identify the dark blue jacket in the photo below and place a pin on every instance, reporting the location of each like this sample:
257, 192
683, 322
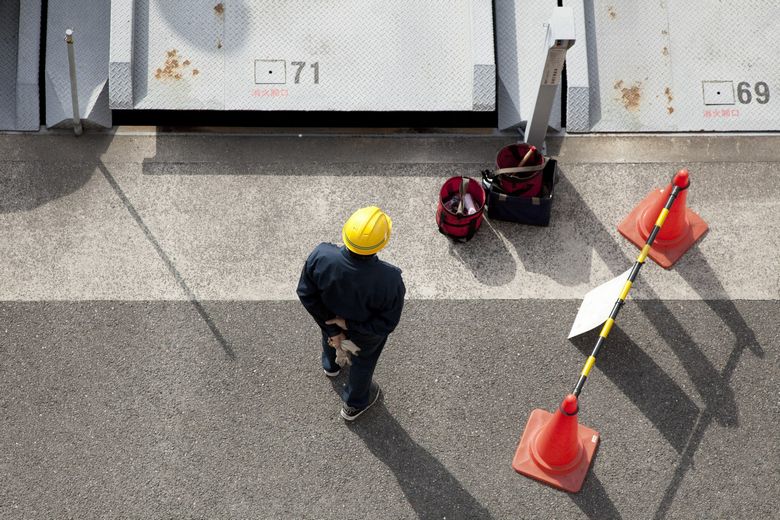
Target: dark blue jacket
367, 292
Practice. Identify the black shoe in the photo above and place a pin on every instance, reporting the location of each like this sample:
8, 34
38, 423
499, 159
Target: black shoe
349, 413
334, 373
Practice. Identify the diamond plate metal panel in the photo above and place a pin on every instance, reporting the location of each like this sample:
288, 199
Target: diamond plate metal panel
27, 108
90, 21
483, 42
740, 46
9, 42
120, 84
578, 96
659, 66
484, 88
483, 45
403, 55
20, 24
100, 113
335, 55
578, 109
120, 71
179, 53
632, 49
27, 101
508, 67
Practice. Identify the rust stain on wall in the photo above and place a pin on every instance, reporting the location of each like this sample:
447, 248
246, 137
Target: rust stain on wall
631, 97
219, 9
173, 68
669, 99
612, 13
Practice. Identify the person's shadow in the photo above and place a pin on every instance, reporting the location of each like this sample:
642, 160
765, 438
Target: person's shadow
431, 490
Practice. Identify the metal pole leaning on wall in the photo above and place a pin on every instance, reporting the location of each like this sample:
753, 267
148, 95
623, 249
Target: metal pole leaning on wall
74, 91
559, 39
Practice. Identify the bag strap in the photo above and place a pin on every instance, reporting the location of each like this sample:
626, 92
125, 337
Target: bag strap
495, 187
522, 169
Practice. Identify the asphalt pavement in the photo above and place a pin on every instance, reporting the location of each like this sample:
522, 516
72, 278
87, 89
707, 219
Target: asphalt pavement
155, 364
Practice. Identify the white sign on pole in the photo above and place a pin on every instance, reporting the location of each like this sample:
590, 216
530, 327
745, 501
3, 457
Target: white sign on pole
597, 305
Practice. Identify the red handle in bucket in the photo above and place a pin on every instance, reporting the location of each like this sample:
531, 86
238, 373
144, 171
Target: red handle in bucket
507, 170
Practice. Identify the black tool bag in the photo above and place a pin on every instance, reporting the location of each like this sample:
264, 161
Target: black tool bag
517, 208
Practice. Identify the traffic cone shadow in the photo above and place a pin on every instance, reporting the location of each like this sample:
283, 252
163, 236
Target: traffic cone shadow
639, 377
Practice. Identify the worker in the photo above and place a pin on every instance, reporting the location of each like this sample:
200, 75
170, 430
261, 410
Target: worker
354, 295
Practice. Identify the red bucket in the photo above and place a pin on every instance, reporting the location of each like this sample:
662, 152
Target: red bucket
460, 226
518, 180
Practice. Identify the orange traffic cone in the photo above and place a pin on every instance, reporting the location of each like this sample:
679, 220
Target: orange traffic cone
680, 231
555, 449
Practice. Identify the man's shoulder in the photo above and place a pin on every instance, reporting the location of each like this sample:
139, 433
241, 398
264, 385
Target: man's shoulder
389, 268
325, 249
324, 253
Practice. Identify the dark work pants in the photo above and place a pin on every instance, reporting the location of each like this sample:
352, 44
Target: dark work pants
363, 364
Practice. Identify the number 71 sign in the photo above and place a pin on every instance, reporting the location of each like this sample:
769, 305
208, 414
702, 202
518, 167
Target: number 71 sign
301, 65
275, 72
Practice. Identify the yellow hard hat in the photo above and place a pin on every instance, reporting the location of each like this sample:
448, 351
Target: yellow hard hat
367, 231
